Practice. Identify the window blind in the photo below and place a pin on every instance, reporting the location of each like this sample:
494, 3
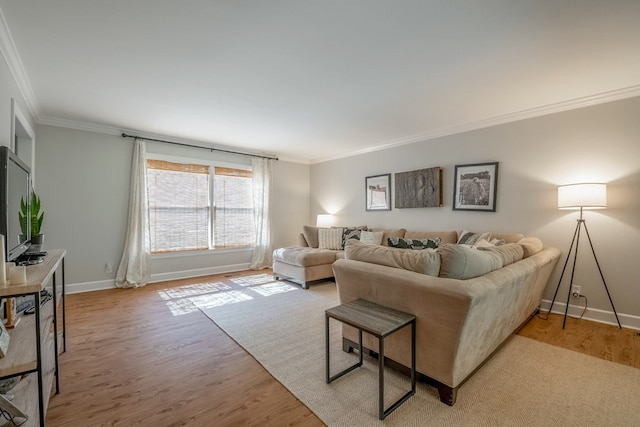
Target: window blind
179, 207
233, 208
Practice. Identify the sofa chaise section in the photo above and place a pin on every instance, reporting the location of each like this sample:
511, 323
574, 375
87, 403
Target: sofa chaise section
304, 264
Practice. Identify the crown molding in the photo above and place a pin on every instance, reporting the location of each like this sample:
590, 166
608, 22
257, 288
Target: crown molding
559, 107
79, 125
116, 131
12, 58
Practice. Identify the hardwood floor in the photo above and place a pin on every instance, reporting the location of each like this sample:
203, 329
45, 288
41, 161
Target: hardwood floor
596, 339
131, 361
147, 357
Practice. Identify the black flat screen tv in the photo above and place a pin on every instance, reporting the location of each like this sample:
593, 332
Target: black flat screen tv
15, 199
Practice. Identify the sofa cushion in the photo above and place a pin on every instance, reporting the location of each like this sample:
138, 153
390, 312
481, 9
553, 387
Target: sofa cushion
330, 238
509, 252
403, 243
390, 232
310, 234
371, 237
466, 262
531, 245
305, 257
425, 262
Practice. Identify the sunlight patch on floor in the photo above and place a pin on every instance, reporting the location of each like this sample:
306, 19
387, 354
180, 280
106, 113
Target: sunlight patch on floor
190, 298
192, 290
256, 279
274, 288
223, 298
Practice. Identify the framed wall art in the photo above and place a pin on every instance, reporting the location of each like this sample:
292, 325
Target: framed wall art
419, 189
378, 192
475, 187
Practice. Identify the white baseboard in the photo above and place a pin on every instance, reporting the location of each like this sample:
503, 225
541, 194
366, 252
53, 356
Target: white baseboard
596, 315
75, 288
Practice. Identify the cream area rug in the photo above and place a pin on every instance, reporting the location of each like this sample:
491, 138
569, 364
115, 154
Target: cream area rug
526, 383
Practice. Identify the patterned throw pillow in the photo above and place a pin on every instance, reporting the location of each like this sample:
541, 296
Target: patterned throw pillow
350, 233
471, 238
330, 238
397, 242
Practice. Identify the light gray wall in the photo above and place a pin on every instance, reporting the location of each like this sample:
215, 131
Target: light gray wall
83, 181
594, 144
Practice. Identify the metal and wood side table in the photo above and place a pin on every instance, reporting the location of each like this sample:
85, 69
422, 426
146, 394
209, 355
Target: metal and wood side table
380, 322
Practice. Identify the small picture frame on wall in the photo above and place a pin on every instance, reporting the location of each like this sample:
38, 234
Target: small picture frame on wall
378, 192
475, 187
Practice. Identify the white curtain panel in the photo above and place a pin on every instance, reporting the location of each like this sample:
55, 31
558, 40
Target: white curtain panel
261, 257
135, 266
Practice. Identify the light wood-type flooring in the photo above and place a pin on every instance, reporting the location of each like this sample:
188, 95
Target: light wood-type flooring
145, 357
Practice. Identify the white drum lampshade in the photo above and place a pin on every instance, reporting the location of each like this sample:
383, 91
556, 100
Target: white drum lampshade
586, 196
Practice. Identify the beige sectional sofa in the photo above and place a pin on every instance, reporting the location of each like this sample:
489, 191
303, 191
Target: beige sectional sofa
480, 296
467, 298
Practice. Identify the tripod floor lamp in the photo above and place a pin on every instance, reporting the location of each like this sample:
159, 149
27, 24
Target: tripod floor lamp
581, 196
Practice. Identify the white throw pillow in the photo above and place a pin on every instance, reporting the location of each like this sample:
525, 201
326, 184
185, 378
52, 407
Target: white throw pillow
371, 237
330, 238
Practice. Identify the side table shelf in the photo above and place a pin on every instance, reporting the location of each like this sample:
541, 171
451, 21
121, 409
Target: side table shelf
34, 345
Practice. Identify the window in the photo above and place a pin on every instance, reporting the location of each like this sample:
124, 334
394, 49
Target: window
182, 215
233, 208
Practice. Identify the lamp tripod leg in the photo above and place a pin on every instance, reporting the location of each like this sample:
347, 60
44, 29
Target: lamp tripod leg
602, 275
573, 270
573, 241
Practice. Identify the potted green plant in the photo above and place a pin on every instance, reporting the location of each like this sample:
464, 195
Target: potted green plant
36, 217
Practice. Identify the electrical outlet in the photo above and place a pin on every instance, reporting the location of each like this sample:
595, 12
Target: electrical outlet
575, 291
108, 268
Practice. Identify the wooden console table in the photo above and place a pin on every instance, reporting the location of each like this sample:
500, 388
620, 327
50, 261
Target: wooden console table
34, 346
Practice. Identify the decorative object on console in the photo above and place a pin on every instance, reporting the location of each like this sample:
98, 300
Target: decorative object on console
378, 192
11, 313
419, 189
18, 275
475, 187
4, 340
36, 217
581, 196
11, 412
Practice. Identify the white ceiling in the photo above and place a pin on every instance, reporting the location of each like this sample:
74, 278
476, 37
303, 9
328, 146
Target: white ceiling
313, 80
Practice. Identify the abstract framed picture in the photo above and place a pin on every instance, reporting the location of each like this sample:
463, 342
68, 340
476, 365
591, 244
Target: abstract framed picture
419, 188
378, 192
475, 187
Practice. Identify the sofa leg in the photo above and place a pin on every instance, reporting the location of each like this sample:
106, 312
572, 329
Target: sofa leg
276, 277
305, 285
447, 394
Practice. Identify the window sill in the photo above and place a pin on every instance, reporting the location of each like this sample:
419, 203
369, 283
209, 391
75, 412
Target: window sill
208, 252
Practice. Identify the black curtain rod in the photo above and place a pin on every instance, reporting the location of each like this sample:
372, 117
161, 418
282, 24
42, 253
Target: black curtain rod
212, 149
